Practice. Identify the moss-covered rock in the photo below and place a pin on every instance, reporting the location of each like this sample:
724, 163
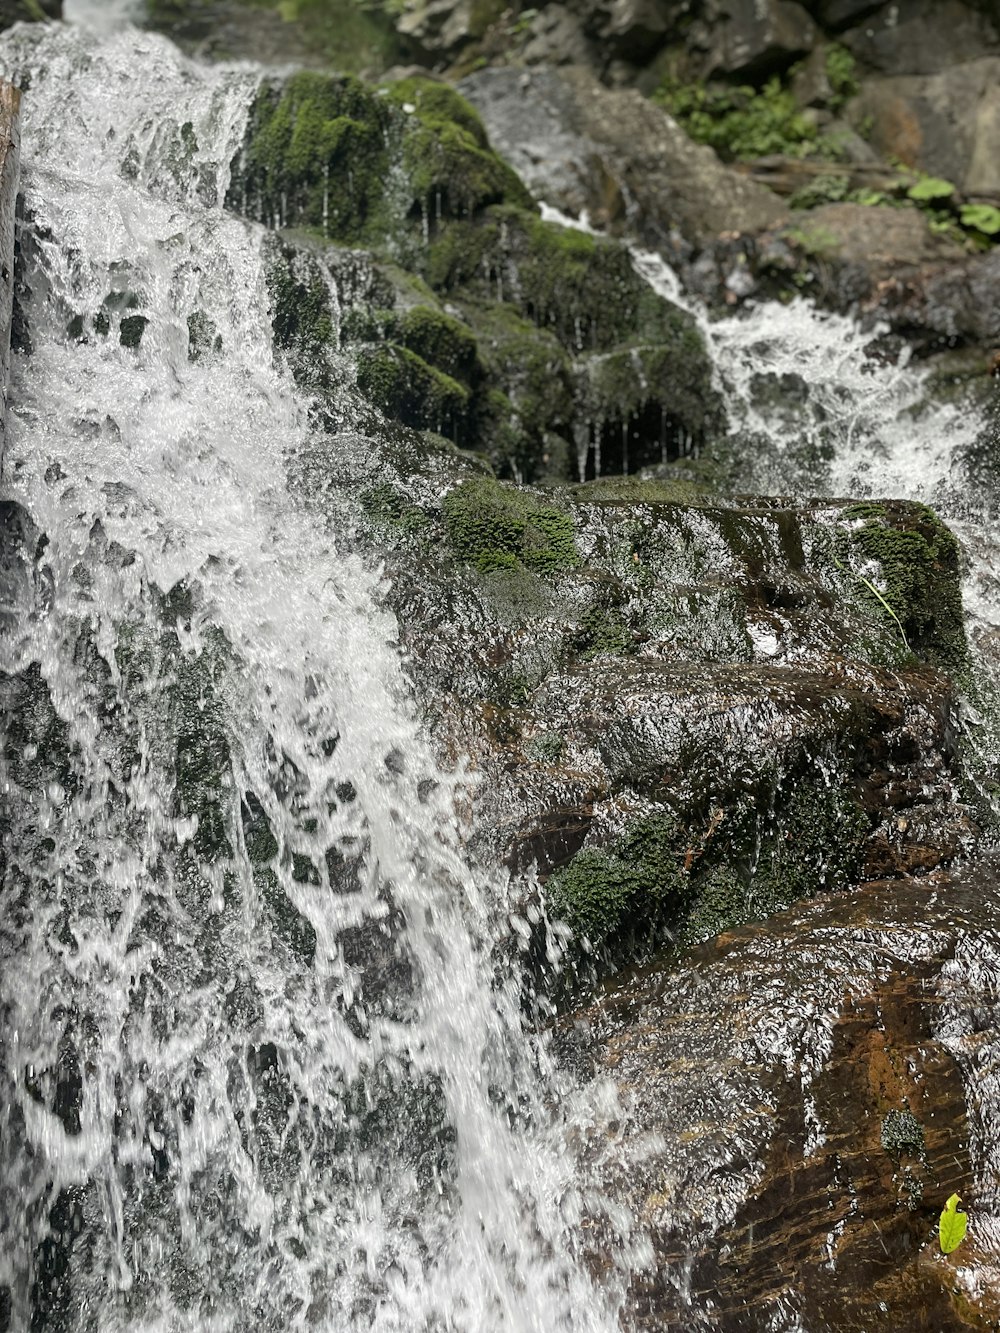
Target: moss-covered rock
494, 526
559, 359
360, 164
906, 564
403, 385
641, 876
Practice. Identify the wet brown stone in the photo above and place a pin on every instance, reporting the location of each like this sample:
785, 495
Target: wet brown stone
801, 1166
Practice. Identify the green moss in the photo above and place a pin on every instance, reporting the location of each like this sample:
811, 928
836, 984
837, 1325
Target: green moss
446, 153
403, 385
602, 631
720, 904
619, 385
907, 554
440, 340
642, 491
815, 845
318, 155
638, 879
699, 876
842, 73
302, 316
494, 526
389, 508
546, 748
902, 1134
357, 163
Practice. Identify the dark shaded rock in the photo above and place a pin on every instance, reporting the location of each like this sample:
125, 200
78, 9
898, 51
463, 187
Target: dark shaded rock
754, 39
943, 305
924, 36
837, 14
614, 155
794, 1158
433, 29
21, 11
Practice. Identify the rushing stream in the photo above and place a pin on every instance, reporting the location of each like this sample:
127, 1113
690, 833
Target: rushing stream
237, 1098
247, 1103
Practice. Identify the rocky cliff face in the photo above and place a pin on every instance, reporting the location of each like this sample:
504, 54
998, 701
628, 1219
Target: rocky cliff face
692, 709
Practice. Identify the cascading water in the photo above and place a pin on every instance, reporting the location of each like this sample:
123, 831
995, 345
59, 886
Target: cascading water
257, 1073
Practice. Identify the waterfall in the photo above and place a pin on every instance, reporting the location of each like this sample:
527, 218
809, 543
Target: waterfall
259, 1066
257, 1070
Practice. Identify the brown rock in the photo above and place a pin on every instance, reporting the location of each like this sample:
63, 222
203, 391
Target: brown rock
800, 1101
943, 123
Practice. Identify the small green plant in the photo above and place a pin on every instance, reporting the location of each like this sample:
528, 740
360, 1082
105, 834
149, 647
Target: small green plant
930, 189
812, 239
981, 217
841, 72
952, 1226
829, 188
740, 123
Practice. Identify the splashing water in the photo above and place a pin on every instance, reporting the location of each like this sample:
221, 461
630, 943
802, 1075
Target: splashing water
257, 1072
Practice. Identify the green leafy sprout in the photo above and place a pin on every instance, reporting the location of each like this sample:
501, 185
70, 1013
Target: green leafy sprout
952, 1226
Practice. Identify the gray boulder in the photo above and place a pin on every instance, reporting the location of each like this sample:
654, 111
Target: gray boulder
754, 39
617, 156
944, 123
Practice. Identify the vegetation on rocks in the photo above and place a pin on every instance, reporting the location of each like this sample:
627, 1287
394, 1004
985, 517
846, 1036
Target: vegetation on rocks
477, 319
907, 564
494, 526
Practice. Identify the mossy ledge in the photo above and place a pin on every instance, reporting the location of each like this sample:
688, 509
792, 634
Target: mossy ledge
495, 526
682, 876
560, 361
905, 563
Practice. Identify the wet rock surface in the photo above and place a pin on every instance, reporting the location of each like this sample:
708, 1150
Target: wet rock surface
797, 1103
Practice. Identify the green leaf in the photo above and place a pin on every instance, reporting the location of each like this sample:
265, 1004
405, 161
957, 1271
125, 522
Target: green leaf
983, 217
931, 187
951, 1228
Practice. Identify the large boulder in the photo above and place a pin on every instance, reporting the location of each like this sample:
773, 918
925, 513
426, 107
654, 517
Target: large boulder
614, 155
755, 38
795, 1105
924, 36
944, 123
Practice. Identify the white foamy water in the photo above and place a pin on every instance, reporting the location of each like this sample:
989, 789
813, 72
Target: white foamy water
257, 1070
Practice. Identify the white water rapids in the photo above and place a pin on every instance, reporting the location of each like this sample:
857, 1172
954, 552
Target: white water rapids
323, 1115
362, 1140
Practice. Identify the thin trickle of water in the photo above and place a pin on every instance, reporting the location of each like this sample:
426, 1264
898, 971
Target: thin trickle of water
257, 1072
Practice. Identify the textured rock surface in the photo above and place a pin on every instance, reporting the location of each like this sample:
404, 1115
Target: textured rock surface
613, 154
790, 1157
944, 123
